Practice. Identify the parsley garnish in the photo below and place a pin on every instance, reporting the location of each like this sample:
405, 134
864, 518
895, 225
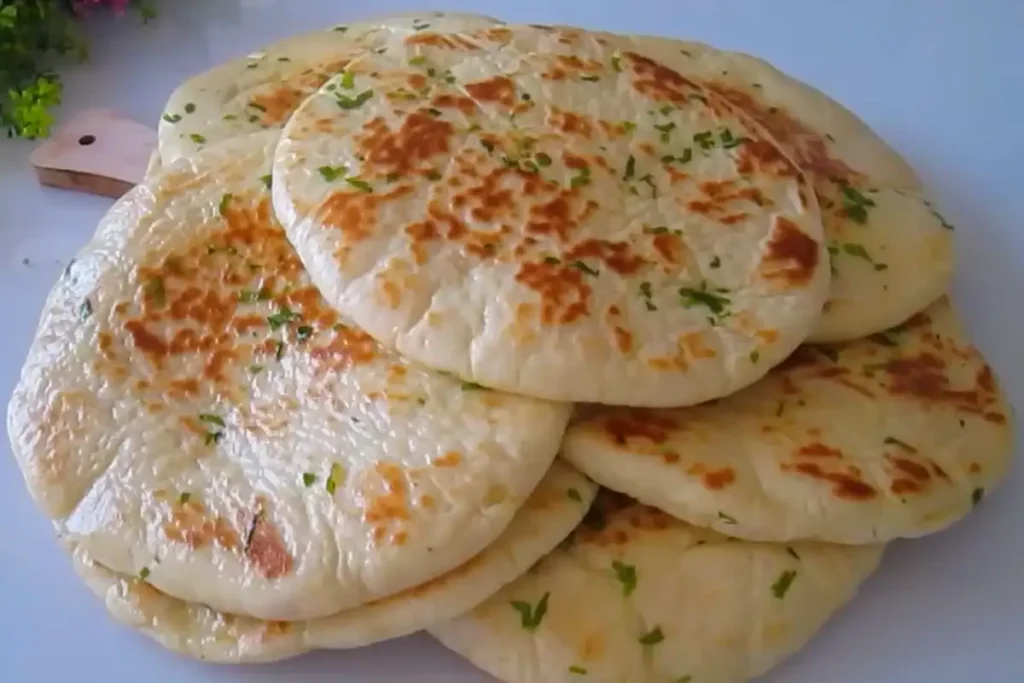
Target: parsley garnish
616, 63
716, 262
581, 178
155, 291
782, 584
649, 180
213, 437
332, 173
335, 478
665, 129
197, 138
184, 497
190, 108
308, 479
893, 441
85, 310
340, 29
701, 297
574, 495
577, 670
255, 369
591, 79
946, 224
359, 184
855, 204
552, 261
705, 140
580, 265
257, 106
645, 292
436, 113
630, 168
472, 386
792, 552
224, 201
542, 159
976, 496
279, 353
282, 317
172, 118
857, 250
755, 356
267, 180
531, 616
419, 27
652, 637
303, 333
212, 419
144, 573
684, 679
359, 100
729, 140
628, 126
626, 575
728, 519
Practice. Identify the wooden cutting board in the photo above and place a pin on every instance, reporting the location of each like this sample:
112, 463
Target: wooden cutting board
98, 152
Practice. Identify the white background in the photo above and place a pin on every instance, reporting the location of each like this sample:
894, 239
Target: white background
940, 79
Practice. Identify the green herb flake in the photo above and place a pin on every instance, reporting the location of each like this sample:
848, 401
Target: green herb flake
716, 262
531, 616
212, 419
433, 175
267, 180
436, 113
685, 157
336, 476
282, 317
630, 168
359, 184
652, 637
590, 78
258, 107
222, 208
420, 27
359, 100
857, 250
782, 584
628, 126
542, 159
340, 29
418, 60
85, 309
705, 140
184, 497
331, 173
976, 496
728, 519
574, 494
391, 177
579, 670
172, 118
197, 138
581, 178
684, 679
144, 573
648, 179
472, 386
617, 63
213, 437
626, 575
792, 552
580, 265
893, 441
190, 108
691, 297
255, 369
303, 333
308, 479
279, 352
348, 80
665, 129
855, 204
552, 261
155, 291
755, 356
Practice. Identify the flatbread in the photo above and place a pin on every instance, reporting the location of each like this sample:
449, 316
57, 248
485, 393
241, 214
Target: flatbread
550, 514
639, 597
190, 398
897, 435
892, 252
528, 209
259, 91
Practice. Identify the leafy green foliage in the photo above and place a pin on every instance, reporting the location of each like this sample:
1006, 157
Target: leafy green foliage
36, 36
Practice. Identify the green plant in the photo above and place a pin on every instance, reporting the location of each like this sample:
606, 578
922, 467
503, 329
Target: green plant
35, 35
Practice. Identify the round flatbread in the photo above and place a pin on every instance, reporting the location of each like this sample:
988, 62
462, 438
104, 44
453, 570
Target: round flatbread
638, 596
550, 514
892, 252
191, 405
260, 91
528, 209
897, 435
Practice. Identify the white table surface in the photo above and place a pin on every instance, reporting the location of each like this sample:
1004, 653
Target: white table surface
940, 79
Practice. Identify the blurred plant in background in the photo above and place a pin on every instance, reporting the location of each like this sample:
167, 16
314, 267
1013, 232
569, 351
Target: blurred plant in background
34, 36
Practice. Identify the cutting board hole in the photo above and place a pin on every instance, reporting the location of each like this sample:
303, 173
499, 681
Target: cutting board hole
86, 140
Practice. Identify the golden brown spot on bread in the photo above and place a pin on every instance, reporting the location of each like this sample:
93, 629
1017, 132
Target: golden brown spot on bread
649, 425
265, 548
449, 459
498, 89
593, 647
192, 524
713, 479
618, 256
790, 256
390, 505
419, 138
278, 104
462, 103
570, 123
763, 156
354, 213
564, 296
657, 81
845, 485
819, 450
925, 376
448, 41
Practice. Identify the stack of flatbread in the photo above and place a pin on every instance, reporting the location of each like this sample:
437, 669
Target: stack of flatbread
600, 357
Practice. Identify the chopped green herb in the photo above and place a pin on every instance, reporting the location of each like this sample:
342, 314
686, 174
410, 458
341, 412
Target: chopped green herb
755, 356
449, 77
255, 369
212, 419
652, 637
581, 178
213, 437
359, 184
197, 138
303, 333
716, 262
354, 102
348, 80
391, 177
420, 27
552, 261
630, 168
417, 60
340, 29
893, 441
436, 113
542, 159
224, 201
574, 495
472, 386
855, 204
258, 107
332, 173
282, 317
184, 497
155, 291
686, 156
531, 616
591, 79
308, 479
705, 140
267, 180
336, 476
190, 108
85, 309
577, 670
626, 575
616, 62
946, 224
645, 292
433, 175
628, 126
782, 584
580, 265
665, 129
172, 118
649, 180
976, 496
684, 679
247, 296
792, 552
728, 519
857, 250
701, 297
144, 573
729, 140
279, 353
431, 71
